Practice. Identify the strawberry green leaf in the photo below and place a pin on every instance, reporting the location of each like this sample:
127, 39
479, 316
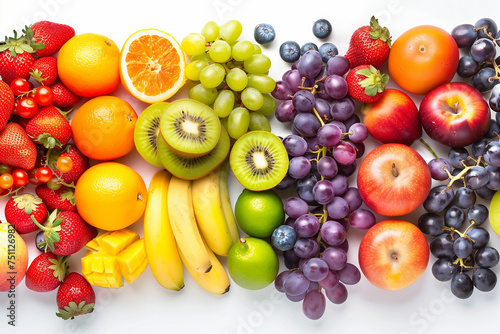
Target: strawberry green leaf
48, 141
72, 310
68, 195
377, 32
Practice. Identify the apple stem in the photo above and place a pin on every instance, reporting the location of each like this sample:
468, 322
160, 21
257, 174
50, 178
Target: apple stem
394, 170
429, 148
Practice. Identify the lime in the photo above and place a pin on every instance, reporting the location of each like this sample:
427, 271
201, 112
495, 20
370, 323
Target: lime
258, 213
494, 215
252, 263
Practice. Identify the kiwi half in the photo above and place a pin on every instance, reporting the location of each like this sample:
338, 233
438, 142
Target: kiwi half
146, 132
190, 128
193, 168
259, 160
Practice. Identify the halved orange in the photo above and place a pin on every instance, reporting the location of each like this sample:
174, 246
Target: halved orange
152, 65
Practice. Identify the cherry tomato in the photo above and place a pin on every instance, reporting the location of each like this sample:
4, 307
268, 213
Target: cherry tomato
4, 168
20, 86
43, 95
20, 177
26, 107
43, 174
64, 164
6, 181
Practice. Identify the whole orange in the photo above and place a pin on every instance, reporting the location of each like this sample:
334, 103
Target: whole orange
111, 196
103, 128
423, 58
88, 64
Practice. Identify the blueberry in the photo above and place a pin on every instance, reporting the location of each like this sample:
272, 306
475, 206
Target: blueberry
327, 51
264, 33
307, 47
284, 237
38, 240
290, 51
322, 28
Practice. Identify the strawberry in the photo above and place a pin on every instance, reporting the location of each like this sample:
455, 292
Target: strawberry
46, 272
63, 97
44, 70
20, 209
366, 83
6, 104
369, 45
75, 297
52, 35
80, 163
62, 198
49, 127
16, 148
65, 232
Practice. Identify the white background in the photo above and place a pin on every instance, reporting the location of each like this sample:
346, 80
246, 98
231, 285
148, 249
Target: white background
426, 306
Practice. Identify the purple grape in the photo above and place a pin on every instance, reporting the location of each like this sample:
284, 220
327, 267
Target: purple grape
467, 67
310, 64
348, 170
343, 109
306, 248
303, 101
362, 219
321, 91
358, 132
330, 281
464, 35
359, 147
341, 125
336, 86
293, 80
482, 50
353, 198
343, 153
299, 167
323, 192
313, 286
314, 305
291, 259
338, 208
476, 177
312, 144
337, 295
322, 74
327, 167
437, 167
489, 24
286, 183
345, 244
335, 258
296, 299
295, 207
322, 107
306, 124
494, 99
278, 282
285, 112
282, 91
305, 187
329, 135
295, 283
315, 269
340, 184
491, 153
307, 225
350, 274
332, 232
337, 65
295, 145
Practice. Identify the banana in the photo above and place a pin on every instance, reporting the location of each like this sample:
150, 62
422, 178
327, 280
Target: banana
226, 202
184, 225
208, 209
216, 281
161, 246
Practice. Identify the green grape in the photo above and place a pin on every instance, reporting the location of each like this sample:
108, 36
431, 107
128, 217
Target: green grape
194, 68
193, 44
263, 83
257, 64
237, 79
259, 122
220, 51
203, 94
210, 31
238, 122
252, 98
230, 31
224, 103
242, 50
203, 56
212, 75
223, 122
269, 105
257, 49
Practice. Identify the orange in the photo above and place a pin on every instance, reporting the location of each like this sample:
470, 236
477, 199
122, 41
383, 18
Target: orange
152, 65
423, 58
111, 196
103, 128
88, 65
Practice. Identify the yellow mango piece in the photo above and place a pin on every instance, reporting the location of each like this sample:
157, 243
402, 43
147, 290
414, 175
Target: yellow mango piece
87, 261
132, 257
117, 241
135, 275
110, 265
99, 238
90, 278
97, 263
100, 279
93, 245
114, 280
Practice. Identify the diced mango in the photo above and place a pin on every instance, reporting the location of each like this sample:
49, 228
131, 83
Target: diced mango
135, 275
132, 257
117, 241
99, 238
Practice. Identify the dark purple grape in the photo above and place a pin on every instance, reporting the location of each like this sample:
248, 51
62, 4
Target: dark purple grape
444, 269
345, 245
464, 35
304, 188
321, 91
343, 153
291, 259
285, 112
336, 86
282, 91
353, 119
322, 107
327, 167
337, 295
362, 219
322, 74
353, 198
299, 167
338, 208
315, 269
360, 149
438, 167
306, 248
341, 125
293, 79
467, 67
306, 124
338, 65
330, 281
482, 50
307, 225
278, 282
323, 192
489, 25
454, 217
350, 274
358, 132
307, 47
478, 146
438, 200
485, 193
484, 279
478, 213
431, 224
303, 101
484, 80
286, 183
295, 145
332, 232
461, 285
295, 283
442, 245
340, 184
295, 207
349, 169
487, 257
313, 146
491, 153
335, 258
493, 177
310, 64
494, 99
342, 109
329, 135
314, 304
479, 236
493, 130
465, 197
462, 247
476, 177
457, 156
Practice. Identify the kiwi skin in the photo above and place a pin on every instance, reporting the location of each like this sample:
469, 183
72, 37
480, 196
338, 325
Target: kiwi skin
146, 132
259, 160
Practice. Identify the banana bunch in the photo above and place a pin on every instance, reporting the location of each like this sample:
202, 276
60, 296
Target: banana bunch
187, 222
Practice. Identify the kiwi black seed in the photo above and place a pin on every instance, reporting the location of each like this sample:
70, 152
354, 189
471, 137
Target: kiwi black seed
259, 160
190, 128
147, 130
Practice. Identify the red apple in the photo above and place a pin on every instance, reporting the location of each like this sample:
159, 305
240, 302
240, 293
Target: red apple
393, 254
393, 118
394, 180
455, 114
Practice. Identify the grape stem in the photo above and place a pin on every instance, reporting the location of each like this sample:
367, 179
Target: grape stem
315, 112
487, 33
429, 147
462, 265
459, 175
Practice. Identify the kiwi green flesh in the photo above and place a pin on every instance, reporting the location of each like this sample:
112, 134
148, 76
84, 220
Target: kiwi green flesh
146, 132
190, 127
259, 160
193, 168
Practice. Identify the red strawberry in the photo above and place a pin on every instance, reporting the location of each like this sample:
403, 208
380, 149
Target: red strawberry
52, 35
369, 45
49, 127
366, 83
65, 232
80, 163
62, 198
6, 103
15, 66
75, 297
46, 272
63, 97
44, 70
16, 148
20, 209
